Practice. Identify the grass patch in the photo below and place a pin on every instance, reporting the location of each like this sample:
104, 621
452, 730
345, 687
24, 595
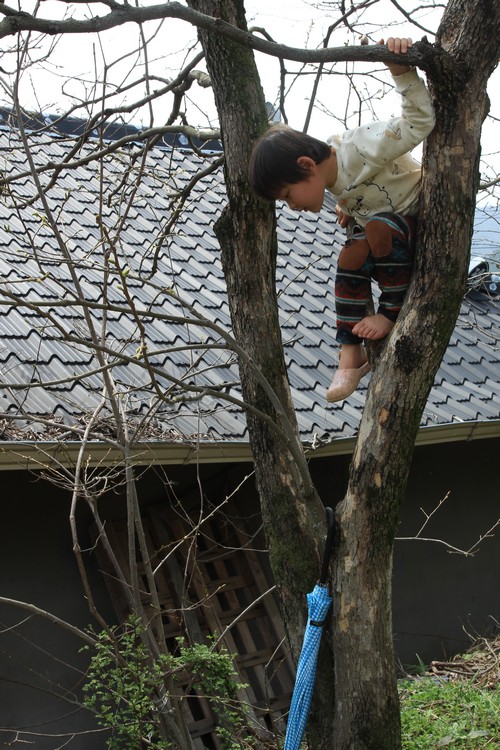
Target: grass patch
437, 713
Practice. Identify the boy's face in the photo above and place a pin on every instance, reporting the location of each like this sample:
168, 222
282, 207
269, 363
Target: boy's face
307, 194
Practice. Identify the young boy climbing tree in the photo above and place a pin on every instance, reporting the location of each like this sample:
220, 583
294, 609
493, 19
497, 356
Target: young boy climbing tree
376, 184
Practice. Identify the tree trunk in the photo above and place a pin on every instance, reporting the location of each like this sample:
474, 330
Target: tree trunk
291, 508
367, 716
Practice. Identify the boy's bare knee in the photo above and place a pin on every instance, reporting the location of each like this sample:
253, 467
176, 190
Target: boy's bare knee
379, 237
353, 255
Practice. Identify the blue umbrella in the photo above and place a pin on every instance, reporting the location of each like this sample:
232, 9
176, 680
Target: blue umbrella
318, 604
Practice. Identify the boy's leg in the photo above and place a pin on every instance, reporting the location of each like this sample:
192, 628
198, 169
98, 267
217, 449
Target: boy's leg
391, 240
352, 287
352, 294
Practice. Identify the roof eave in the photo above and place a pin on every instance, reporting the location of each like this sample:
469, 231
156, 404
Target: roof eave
428, 435
39, 455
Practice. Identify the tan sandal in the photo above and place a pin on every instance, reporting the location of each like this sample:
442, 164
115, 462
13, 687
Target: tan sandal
345, 382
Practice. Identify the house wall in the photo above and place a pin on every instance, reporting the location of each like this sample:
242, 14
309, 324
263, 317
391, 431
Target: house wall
440, 598
41, 667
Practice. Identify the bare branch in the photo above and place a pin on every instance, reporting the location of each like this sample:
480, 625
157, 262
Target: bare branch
411, 18
16, 21
38, 612
428, 516
150, 135
491, 183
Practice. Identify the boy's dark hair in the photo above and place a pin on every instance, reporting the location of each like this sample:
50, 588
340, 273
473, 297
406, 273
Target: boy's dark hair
273, 162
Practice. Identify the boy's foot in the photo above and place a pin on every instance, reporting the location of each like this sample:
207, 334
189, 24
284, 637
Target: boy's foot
373, 327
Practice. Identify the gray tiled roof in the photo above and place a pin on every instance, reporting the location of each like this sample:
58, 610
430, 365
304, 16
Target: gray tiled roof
39, 353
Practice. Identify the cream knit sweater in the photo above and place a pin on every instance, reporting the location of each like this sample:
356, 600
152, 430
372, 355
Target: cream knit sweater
375, 171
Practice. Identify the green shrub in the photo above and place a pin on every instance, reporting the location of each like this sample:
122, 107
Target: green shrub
125, 687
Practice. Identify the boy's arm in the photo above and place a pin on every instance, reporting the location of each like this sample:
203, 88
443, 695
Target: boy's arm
383, 142
417, 118
417, 115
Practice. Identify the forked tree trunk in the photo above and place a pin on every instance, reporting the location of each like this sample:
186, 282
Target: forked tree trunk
293, 515
366, 702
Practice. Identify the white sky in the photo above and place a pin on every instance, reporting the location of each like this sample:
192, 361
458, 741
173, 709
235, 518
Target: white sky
77, 63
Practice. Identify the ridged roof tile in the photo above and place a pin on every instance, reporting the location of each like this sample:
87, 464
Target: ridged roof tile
35, 350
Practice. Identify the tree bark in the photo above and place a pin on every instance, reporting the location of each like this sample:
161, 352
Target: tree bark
366, 716
291, 507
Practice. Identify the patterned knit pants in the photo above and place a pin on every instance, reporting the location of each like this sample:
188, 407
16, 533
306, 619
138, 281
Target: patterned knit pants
382, 250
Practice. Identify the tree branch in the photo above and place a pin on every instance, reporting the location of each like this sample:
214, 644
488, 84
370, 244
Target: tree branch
48, 616
421, 54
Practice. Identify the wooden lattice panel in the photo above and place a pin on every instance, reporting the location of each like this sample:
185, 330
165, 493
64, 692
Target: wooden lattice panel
210, 582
